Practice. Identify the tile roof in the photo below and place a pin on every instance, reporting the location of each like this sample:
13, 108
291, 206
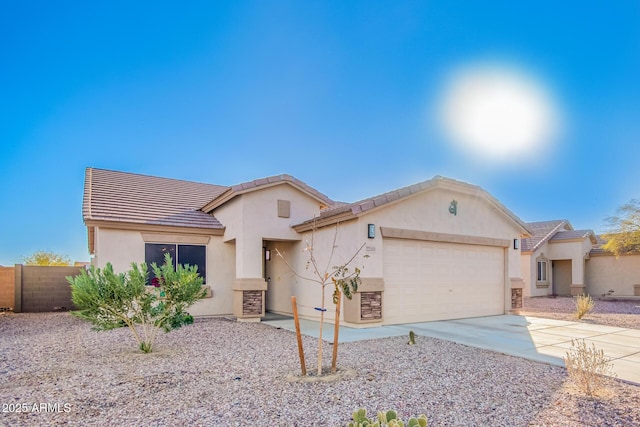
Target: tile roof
597, 248
572, 234
142, 199
376, 201
235, 190
367, 204
541, 232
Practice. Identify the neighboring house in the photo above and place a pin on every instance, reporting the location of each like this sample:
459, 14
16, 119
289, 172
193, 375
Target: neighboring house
606, 272
439, 249
558, 260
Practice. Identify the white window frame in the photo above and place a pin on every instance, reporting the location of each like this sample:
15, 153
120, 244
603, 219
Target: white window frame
542, 271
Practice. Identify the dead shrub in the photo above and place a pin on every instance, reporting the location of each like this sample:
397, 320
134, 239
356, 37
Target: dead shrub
584, 305
588, 368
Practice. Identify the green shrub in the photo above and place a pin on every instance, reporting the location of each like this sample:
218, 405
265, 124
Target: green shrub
385, 419
584, 305
588, 368
109, 300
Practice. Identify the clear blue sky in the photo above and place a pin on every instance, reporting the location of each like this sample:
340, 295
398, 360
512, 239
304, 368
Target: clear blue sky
337, 94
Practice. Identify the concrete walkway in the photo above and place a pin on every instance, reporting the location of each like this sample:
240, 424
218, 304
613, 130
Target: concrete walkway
542, 340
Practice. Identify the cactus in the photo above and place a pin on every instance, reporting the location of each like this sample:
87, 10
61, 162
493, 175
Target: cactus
421, 421
387, 416
412, 338
385, 419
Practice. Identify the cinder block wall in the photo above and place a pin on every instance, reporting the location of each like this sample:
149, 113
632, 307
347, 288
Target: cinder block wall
43, 288
7, 287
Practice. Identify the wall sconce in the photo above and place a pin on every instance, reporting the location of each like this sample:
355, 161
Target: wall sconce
371, 231
267, 255
516, 243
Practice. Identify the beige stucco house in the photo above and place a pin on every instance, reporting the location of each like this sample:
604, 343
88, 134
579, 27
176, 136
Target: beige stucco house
439, 249
558, 260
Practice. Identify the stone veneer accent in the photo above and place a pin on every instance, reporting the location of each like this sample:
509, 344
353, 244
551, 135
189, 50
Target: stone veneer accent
366, 304
371, 305
252, 302
516, 298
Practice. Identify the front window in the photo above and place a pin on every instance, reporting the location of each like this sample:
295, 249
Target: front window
180, 254
542, 271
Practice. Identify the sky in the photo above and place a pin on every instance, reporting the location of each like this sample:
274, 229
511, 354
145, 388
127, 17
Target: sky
354, 98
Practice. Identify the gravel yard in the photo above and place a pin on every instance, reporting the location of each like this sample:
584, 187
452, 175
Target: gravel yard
218, 372
622, 313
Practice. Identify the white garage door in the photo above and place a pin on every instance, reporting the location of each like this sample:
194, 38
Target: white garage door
427, 281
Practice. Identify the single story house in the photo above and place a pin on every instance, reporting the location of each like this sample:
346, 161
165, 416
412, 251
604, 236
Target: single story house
558, 260
439, 249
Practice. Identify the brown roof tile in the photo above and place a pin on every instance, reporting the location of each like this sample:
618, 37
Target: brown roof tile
133, 198
542, 231
364, 205
572, 234
233, 191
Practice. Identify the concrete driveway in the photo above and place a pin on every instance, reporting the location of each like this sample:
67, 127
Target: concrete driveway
542, 340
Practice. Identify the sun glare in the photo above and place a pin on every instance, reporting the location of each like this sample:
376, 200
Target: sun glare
498, 112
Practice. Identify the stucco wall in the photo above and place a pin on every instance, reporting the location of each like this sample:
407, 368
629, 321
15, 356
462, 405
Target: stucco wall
574, 251
532, 277
121, 247
252, 218
526, 269
604, 273
429, 211
308, 293
220, 275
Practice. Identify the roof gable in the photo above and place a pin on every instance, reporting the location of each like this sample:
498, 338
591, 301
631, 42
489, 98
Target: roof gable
568, 235
362, 207
542, 231
258, 184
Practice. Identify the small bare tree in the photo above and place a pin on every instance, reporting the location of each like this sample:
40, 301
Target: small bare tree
344, 277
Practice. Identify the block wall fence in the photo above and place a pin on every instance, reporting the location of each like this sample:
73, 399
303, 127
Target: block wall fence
7, 288
34, 288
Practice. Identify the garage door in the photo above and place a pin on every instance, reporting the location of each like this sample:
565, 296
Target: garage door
427, 281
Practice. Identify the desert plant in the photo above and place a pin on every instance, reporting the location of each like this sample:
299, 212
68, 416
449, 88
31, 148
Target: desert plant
412, 338
584, 305
588, 368
623, 235
109, 300
46, 258
385, 419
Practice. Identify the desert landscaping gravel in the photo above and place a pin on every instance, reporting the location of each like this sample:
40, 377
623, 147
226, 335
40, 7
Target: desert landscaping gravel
218, 372
606, 311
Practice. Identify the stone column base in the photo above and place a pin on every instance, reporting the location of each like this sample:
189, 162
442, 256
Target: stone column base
578, 290
367, 304
249, 299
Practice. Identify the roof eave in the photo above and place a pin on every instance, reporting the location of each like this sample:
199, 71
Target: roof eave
230, 194
320, 222
139, 226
